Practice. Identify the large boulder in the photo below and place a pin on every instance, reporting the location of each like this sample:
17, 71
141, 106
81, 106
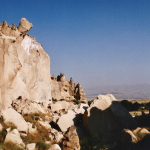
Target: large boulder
107, 117
66, 121
24, 66
11, 116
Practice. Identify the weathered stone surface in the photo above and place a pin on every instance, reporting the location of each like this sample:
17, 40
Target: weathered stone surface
81, 108
107, 117
66, 121
55, 147
11, 116
144, 131
24, 66
55, 136
71, 141
24, 25
45, 124
14, 137
31, 146
128, 136
79, 93
1, 127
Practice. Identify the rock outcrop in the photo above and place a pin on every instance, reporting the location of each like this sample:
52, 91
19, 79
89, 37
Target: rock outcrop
107, 117
24, 65
63, 89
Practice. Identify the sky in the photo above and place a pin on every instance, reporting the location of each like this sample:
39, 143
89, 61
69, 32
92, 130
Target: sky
96, 42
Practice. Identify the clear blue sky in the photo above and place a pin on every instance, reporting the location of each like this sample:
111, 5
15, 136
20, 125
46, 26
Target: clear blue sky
97, 42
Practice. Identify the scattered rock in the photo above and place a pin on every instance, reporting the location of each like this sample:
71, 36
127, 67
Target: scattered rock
1, 127
31, 146
14, 137
128, 136
11, 116
55, 147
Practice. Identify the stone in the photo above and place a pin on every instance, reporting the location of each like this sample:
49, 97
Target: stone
66, 120
24, 25
128, 136
31, 130
71, 140
55, 136
144, 131
45, 124
14, 137
55, 147
81, 108
136, 130
26, 106
107, 117
31, 146
25, 68
1, 127
11, 116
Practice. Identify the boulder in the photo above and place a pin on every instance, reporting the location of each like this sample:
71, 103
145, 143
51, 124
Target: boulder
14, 137
11, 116
55, 147
128, 136
66, 121
24, 25
71, 140
107, 117
31, 146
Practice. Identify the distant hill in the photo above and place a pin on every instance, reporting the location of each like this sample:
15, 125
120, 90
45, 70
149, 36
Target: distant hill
138, 91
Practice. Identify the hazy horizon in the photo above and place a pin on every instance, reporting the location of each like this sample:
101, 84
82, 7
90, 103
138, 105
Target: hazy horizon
96, 42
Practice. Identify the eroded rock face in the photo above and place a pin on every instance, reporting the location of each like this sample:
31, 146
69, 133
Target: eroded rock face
71, 141
107, 117
24, 65
63, 89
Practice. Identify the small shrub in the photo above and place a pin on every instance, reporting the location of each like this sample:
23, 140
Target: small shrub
94, 142
3, 134
32, 117
42, 145
76, 101
54, 100
11, 146
89, 103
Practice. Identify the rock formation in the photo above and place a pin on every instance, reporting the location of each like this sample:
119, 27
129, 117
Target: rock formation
107, 117
63, 89
24, 65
